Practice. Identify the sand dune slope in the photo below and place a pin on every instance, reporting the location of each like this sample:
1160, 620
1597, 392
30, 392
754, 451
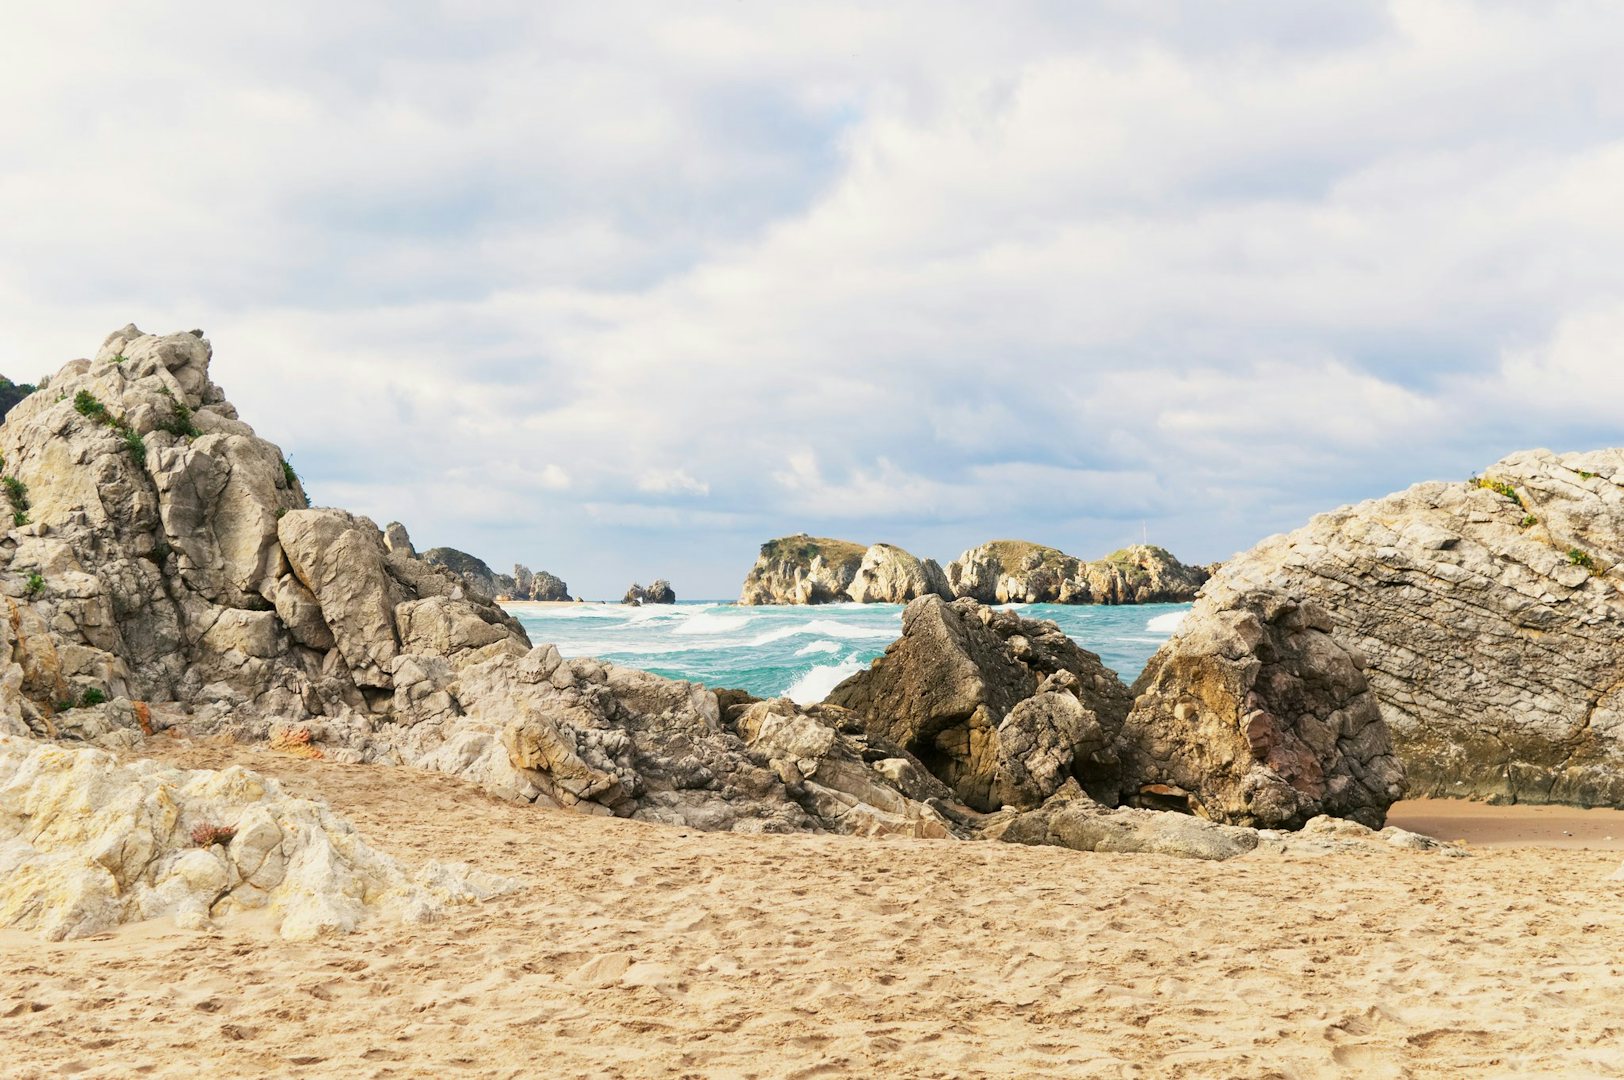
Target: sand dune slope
648, 951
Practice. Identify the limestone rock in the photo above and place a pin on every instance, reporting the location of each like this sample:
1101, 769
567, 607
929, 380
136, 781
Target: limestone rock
538, 585
890, 575
1490, 615
658, 593
87, 844
473, 570
1253, 714
1071, 819
1017, 571
396, 539
802, 569
978, 696
339, 558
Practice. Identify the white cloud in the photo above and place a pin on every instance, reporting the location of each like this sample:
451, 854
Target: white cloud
537, 277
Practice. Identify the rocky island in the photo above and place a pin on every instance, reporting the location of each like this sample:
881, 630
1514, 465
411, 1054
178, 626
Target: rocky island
804, 569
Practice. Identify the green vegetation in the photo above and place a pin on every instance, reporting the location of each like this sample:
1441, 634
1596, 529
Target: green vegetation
802, 548
180, 422
120, 358
86, 404
17, 496
1528, 521
1499, 487
91, 695
293, 480
11, 393
136, 445
36, 584
1581, 558
1586, 475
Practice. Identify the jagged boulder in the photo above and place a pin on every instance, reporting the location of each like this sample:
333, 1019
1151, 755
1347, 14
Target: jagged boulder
802, 569
1002, 709
890, 575
398, 540
658, 593
1252, 714
1491, 616
87, 844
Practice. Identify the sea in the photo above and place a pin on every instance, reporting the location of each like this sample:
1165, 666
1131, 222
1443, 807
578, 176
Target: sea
804, 652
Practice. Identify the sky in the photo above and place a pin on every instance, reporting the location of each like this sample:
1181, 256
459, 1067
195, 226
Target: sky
622, 290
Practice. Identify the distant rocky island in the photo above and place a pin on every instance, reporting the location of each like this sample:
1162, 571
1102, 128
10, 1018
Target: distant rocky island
522, 584
805, 569
658, 593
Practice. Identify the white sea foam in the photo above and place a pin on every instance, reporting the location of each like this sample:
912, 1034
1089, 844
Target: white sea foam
1166, 624
708, 624
826, 628
813, 686
818, 647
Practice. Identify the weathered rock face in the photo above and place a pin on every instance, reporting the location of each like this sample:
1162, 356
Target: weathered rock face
1252, 714
1003, 709
802, 569
658, 593
1015, 571
87, 844
890, 575
1491, 617
538, 585
473, 570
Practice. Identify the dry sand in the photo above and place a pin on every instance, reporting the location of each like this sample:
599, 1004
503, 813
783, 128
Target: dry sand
647, 951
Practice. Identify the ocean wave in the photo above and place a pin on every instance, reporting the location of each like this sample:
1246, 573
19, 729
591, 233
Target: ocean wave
818, 647
827, 628
814, 685
1166, 624
706, 623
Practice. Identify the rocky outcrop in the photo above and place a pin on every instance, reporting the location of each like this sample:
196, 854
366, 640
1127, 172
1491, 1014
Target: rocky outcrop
1016, 571
1252, 714
538, 585
1490, 615
890, 575
87, 844
473, 571
1003, 709
658, 593
168, 557
398, 540
802, 569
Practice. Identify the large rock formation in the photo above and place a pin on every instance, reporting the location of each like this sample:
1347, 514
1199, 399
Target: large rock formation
1490, 615
1016, 571
162, 553
538, 585
802, 569
1252, 714
1001, 708
87, 844
890, 575
660, 592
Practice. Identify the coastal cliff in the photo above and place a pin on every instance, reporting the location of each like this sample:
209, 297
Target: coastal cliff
522, 584
802, 569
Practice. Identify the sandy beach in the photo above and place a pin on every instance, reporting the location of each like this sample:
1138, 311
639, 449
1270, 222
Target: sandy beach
646, 951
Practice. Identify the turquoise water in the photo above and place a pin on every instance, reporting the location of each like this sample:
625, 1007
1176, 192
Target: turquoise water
803, 652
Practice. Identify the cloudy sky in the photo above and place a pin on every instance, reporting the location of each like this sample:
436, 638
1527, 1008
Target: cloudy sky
621, 290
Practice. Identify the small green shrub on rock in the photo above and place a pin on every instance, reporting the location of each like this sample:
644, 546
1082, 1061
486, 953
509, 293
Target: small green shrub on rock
87, 405
1528, 521
1581, 558
36, 584
1499, 487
